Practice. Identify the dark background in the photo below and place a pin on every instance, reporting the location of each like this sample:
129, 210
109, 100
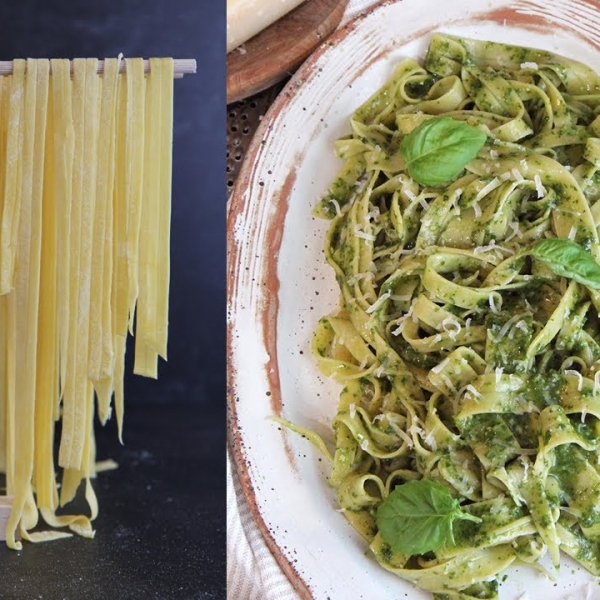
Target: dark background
160, 533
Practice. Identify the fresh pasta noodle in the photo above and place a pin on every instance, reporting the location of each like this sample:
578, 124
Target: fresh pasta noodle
464, 238
85, 178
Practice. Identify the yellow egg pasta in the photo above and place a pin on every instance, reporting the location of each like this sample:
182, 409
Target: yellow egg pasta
85, 194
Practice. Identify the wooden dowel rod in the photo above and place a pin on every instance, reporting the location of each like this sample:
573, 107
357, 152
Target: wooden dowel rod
181, 66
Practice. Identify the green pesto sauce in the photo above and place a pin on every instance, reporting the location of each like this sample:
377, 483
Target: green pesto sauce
508, 352
544, 389
412, 356
490, 433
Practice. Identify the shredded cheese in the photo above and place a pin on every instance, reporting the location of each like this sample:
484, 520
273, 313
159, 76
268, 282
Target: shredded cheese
378, 302
363, 234
540, 189
517, 176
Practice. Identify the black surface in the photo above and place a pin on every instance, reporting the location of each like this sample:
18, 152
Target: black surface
161, 528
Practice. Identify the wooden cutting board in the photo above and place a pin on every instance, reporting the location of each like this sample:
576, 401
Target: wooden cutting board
278, 50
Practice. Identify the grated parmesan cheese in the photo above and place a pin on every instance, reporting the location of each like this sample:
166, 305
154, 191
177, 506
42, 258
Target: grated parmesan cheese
486, 189
448, 382
572, 232
473, 391
401, 297
400, 325
440, 366
336, 205
452, 327
517, 174
431, 441
378, 302
498, 372
400, 432
514, 225
539, 187
577, 374
359, 276
359, 233
409, 194
495, 301
596, 388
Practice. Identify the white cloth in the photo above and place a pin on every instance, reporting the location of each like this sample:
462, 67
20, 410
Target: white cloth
252, 572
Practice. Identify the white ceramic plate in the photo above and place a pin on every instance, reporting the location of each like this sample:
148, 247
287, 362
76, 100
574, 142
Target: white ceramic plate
279, 285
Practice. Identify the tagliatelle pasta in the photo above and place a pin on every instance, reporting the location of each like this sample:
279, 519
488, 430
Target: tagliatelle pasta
82, 153
467, 355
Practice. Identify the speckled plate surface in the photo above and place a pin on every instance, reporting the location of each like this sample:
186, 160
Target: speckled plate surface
279, 285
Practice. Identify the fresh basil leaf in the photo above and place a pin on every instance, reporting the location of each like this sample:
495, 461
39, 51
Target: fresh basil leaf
568, 259
438, 149
417, 517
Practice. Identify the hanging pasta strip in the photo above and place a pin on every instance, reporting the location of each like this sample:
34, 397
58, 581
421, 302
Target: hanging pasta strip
72, 476
119, 297
12, 184
85, 117
90, 132
134, 159
63, 148
30, 513
111, 74
145, 355
161, 273
27, 284
120, 347
80, 524
4, 97
8, 300
47, 372
4, 417
101, 353
23, 398
69, 401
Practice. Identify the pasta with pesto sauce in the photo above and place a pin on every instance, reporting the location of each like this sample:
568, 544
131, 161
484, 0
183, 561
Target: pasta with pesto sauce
464, 358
